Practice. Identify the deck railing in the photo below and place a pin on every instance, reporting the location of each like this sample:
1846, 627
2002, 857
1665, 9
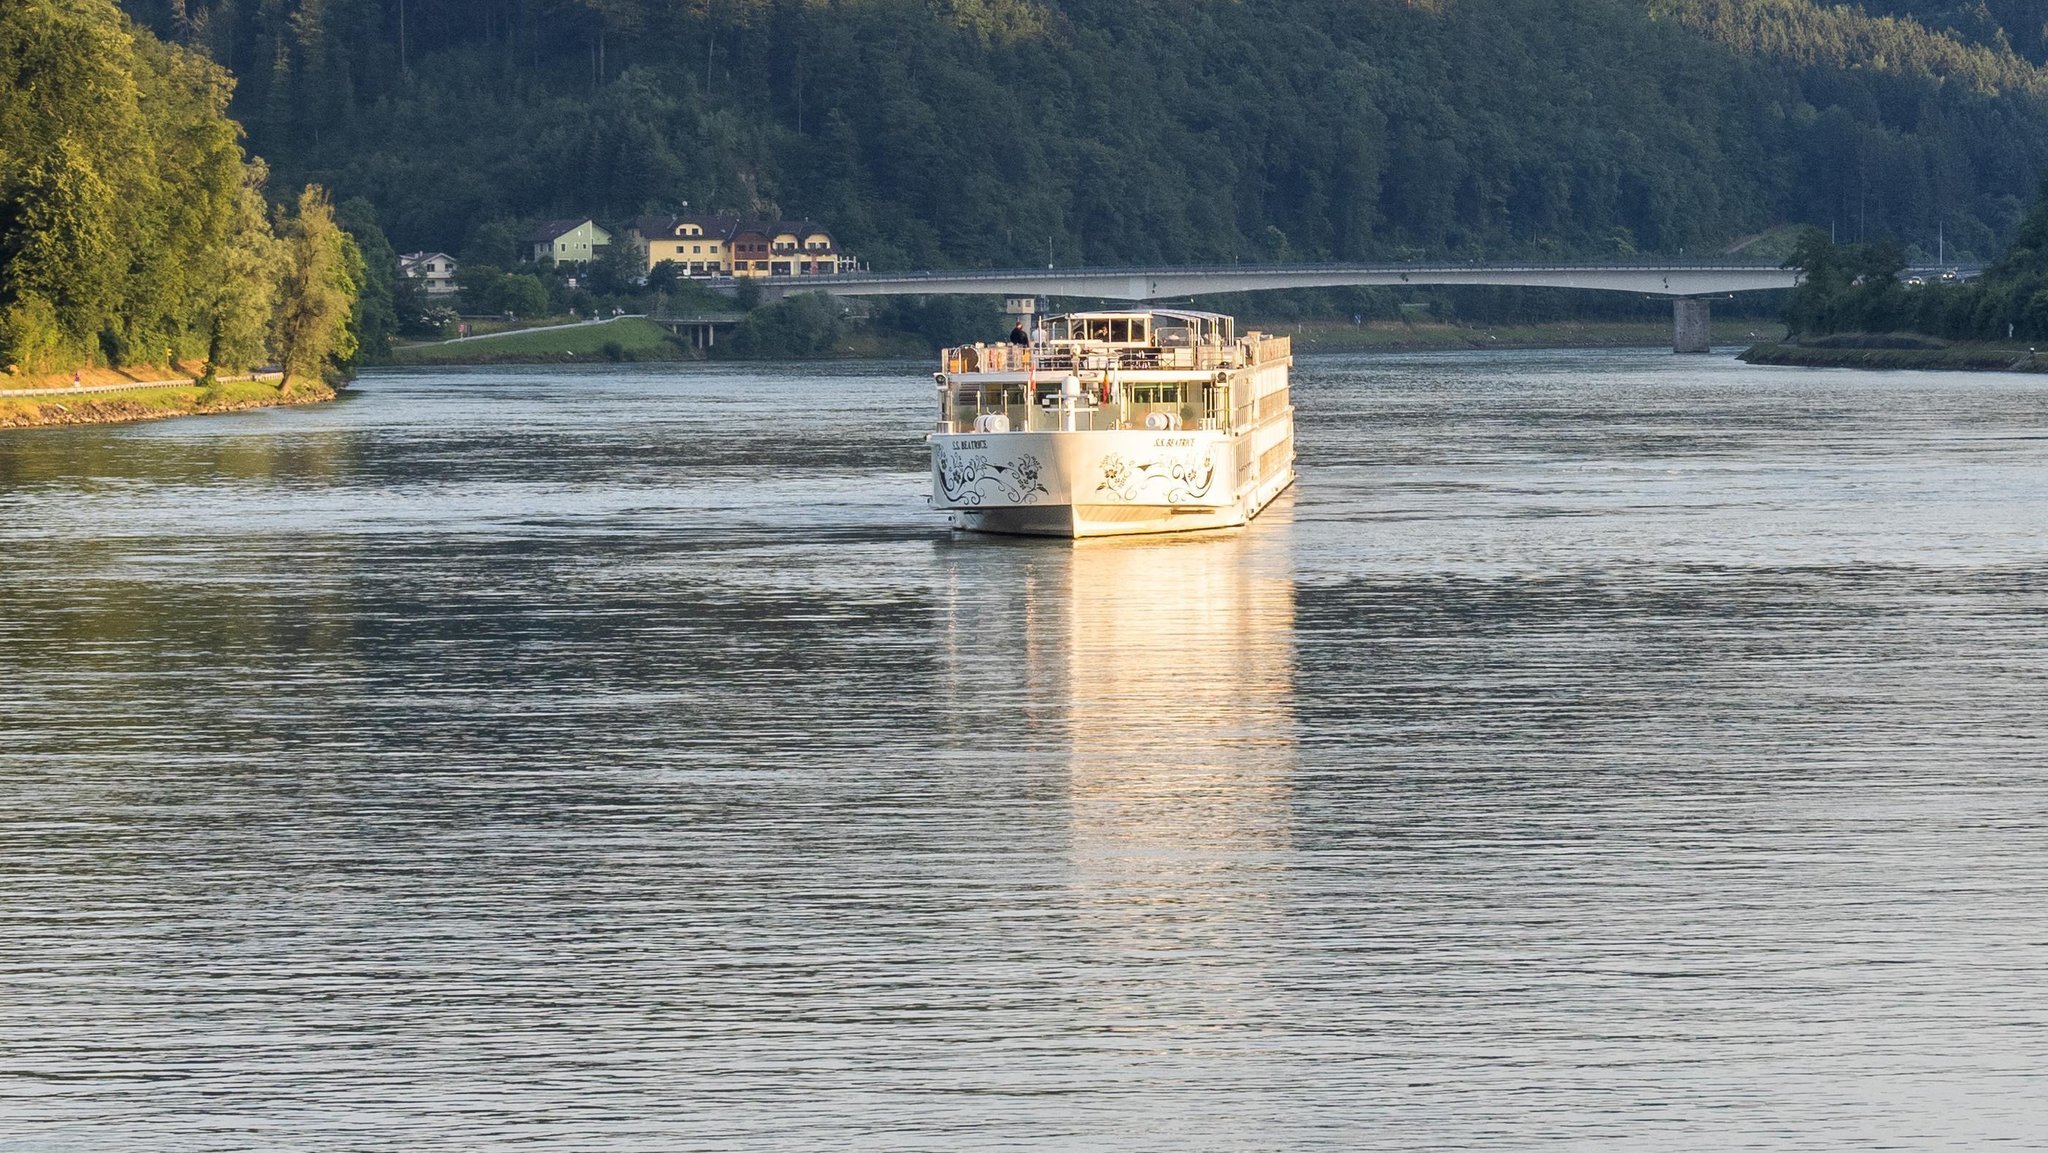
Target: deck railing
1063, 358
1039, 409
1033, 405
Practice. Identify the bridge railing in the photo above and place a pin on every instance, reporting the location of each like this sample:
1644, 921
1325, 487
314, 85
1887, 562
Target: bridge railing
1640, 265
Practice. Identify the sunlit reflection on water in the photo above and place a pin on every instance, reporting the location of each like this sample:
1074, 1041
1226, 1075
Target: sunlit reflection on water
1594, 750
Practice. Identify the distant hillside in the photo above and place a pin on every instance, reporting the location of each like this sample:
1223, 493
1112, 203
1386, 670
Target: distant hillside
2019, 24
1009, 132
1844, 38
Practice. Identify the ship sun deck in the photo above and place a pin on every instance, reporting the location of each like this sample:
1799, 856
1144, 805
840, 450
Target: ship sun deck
1109, 370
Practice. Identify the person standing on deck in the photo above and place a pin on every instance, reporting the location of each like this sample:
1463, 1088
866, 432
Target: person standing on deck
1018, 336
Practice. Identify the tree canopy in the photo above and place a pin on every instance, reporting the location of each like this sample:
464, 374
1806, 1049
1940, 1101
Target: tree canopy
1858, 288
132, 229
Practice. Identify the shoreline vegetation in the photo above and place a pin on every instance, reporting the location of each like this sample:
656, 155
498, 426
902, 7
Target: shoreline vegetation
1894, 351
1857, 306
1398, 336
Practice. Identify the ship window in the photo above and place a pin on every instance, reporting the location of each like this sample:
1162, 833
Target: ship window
1155, 394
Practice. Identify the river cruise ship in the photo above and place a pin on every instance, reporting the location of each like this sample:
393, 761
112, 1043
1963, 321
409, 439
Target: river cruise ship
1108, 423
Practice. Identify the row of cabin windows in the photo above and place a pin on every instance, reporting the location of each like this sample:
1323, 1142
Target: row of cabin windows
1012, 394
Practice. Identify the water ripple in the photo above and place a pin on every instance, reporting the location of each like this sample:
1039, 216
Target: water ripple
1595, 750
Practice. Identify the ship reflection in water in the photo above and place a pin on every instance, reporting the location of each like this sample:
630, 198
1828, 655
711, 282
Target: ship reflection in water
1600, 750
1163, 669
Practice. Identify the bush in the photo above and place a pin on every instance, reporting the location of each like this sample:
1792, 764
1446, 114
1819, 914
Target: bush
30, 336
522, 294
801, 326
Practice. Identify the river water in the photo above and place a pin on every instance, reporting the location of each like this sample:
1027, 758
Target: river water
1596, 749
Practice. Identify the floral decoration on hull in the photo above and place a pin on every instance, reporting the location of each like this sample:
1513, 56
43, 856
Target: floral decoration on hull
971, 480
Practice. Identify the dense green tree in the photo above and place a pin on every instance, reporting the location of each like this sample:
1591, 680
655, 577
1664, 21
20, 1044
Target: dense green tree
241, 304
74, 156
480, 285
131, 226
322, 273
807, 324
522, 294
374, 319
1857, 288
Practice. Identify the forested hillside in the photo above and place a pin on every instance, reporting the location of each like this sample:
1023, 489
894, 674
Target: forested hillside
2019, 24
1006, 132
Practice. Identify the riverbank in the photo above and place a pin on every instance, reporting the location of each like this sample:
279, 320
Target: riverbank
149, 400
635, 339
1398, 336
629, 339
1898, 353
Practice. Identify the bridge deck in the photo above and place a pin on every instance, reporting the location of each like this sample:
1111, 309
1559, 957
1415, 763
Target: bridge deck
1668, 280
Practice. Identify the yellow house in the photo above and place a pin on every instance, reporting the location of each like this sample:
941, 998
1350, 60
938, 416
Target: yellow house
729, 246
699, 245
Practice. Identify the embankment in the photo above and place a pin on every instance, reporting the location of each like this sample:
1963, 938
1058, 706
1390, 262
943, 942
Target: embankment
1396, 336
632, 338
1885, 351
153, 401
638, 340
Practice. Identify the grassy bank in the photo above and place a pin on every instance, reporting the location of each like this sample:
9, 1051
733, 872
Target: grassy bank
1954, 357
618, 340
151, 402
1395, 336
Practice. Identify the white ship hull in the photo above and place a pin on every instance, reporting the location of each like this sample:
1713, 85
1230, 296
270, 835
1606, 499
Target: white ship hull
1107, 483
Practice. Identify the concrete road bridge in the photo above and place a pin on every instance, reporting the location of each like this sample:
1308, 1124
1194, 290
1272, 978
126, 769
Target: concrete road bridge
1689, 286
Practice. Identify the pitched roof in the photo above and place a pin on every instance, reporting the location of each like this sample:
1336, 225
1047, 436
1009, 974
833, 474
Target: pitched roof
670, 227
548, 232
413, 259
722, 227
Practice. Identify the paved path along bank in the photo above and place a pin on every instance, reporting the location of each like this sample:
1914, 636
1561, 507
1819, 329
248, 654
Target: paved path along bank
117, 404
123, 386
542, 328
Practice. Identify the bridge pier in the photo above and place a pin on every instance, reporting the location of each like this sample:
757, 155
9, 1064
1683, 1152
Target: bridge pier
1692, 325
